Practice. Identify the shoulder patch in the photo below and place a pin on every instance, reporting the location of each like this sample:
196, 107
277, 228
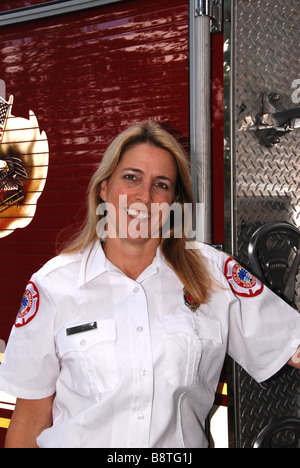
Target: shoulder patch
29, 305
241, 281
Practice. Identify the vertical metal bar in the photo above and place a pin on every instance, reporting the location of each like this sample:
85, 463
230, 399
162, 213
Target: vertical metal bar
201, 7
200, 119
233, 148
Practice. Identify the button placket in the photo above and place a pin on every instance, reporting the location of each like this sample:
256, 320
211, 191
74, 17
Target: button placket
143, 364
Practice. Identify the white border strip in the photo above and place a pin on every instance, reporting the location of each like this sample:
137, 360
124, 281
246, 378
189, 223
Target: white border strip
46, 10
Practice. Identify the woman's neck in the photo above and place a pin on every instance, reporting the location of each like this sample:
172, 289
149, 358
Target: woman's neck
131, 257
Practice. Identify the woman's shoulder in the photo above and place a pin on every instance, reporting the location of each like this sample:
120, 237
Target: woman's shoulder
211, 253
58, 264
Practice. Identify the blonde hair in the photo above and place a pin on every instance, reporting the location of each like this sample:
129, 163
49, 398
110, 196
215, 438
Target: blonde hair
188, 264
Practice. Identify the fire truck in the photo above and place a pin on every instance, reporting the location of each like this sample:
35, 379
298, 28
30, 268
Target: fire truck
225, 76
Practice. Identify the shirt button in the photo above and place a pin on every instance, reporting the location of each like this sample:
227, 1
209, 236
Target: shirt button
136, 289
140, 329
140, 417
82, 343
143, 372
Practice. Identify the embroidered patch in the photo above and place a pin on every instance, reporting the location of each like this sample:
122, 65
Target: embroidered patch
29, 305
189, 301
241, 281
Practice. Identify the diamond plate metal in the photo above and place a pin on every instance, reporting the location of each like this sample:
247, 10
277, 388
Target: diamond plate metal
266, 57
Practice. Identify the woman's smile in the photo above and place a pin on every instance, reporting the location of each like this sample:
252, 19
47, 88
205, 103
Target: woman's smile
138, 214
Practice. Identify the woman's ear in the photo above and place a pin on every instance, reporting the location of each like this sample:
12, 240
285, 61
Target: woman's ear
103, 185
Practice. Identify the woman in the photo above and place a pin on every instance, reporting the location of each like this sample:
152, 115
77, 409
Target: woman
120, 340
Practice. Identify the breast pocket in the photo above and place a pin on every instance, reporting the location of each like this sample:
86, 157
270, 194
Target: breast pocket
88, 363
185, 339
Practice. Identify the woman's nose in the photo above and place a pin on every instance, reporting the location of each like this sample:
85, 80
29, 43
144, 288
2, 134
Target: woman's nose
143, 194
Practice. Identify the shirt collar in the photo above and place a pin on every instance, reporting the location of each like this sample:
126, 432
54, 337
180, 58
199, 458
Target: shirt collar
94, 263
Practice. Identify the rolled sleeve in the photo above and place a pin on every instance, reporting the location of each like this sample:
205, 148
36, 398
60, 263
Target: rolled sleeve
264, 332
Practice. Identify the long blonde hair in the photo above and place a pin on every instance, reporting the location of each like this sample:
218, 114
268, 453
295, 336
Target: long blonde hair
188, 264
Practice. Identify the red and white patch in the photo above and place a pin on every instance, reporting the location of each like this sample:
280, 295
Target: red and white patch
29, 305
241, 281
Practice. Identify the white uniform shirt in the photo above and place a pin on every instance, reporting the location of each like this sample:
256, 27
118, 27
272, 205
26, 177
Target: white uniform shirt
142, 369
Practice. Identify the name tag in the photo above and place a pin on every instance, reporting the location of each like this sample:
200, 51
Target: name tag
81, 328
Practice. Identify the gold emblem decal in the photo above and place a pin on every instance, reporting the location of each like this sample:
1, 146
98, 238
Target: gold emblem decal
24, 158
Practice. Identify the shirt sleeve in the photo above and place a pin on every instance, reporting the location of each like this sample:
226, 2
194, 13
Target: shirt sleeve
30, 367
264, 331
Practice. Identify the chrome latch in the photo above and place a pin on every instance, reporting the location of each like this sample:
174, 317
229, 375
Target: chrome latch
213, 9
274, 121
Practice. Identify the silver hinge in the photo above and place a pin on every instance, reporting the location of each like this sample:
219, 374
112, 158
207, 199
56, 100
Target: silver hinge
213, 9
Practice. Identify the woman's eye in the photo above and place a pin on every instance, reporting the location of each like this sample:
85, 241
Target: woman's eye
162, 185
130, 177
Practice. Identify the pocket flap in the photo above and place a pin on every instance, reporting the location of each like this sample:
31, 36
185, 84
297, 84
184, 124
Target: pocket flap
208, 329
178, 324
202, 327
105, 331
